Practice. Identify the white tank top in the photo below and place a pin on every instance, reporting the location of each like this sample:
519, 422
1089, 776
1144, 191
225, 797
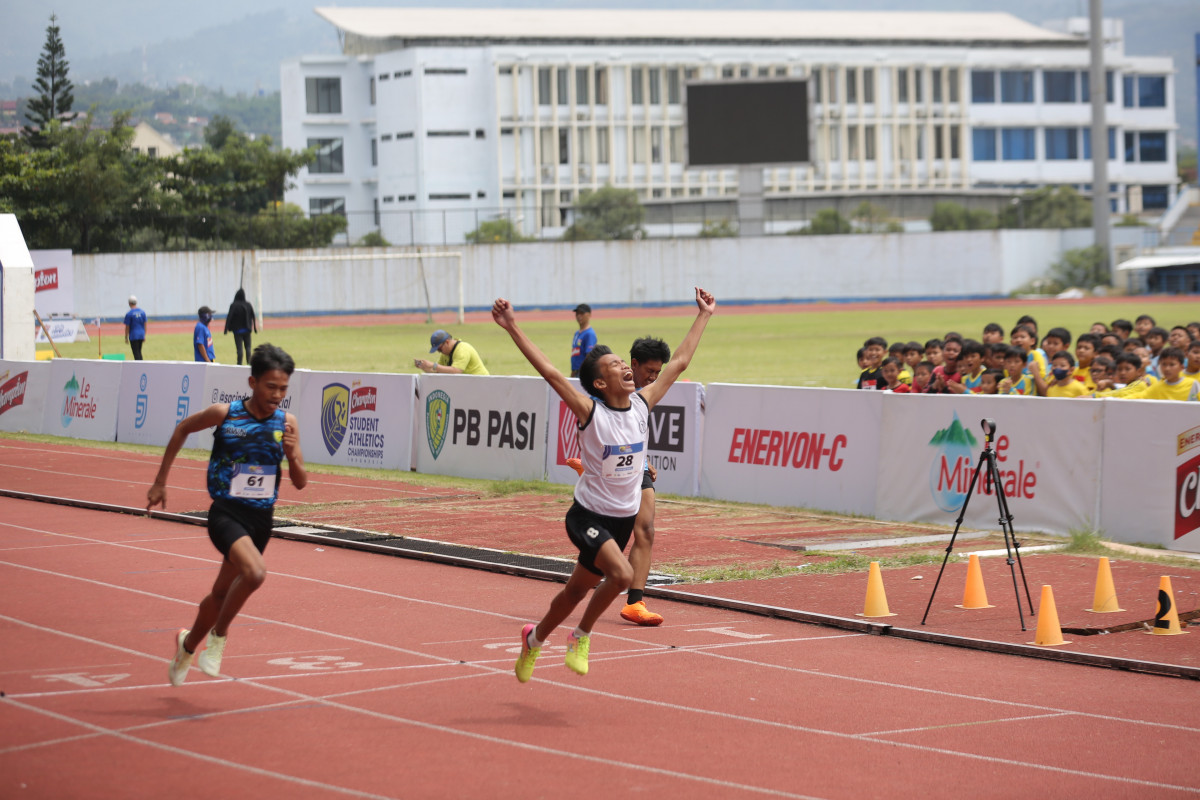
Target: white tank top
613, 449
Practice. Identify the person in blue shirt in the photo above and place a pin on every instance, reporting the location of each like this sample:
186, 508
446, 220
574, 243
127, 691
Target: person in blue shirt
251, 439
135, 328
202, 337
584, 339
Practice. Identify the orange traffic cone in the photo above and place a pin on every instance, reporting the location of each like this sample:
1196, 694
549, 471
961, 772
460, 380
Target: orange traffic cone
1105, 599
1166, 618
1049, 634
876, 605
975, 596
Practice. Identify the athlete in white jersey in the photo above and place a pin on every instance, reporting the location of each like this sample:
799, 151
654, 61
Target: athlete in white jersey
612, 436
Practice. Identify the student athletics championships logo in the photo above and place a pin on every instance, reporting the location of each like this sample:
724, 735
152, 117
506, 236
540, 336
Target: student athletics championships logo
348, 417
437, 420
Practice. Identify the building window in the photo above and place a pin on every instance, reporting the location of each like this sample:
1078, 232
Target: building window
1087, 144
601, 86
583, 151
450, 196
1058, 86
814, 83
955, 136
902, 85
581, 86
602, 145
918, 85
656, 145
375, 208
869, 142
404, 135
1018, 144
1128, 99
1016, 86
635, 80
1152, 91
983, 144
639, 145
1062, 144
851, 84
445, 71
563, 86
543, 86
372, 89
326, 205
1154, 197
654, 78
935, 76
834, 78
1152, 146
952, 80
324, 95
564, 146
1085, 80
676, 144
546, 146
152, 152
387, 137
868, 79
329, 157
374, 152
983, 86
673, 86
445, 134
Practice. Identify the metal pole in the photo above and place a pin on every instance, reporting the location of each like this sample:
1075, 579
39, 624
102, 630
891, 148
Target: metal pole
1099, 136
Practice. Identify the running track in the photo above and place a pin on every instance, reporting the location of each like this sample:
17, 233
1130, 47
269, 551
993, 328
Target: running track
358, 675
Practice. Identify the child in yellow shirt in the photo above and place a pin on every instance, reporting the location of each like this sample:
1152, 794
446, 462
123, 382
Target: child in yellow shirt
1062, 368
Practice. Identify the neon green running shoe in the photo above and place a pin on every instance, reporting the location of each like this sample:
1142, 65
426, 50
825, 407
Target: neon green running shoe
528, 657
209, 660
577, 653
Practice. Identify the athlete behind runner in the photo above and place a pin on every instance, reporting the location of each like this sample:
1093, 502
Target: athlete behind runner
646, 357
252, 437
613, 431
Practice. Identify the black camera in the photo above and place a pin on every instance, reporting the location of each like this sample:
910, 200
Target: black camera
989, 426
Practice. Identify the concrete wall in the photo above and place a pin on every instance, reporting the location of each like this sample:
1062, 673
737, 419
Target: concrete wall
660, 271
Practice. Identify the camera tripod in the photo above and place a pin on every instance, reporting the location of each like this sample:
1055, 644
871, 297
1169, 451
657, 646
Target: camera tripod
991, 478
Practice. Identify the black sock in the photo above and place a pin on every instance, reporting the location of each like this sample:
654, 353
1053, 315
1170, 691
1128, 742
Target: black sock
635, 596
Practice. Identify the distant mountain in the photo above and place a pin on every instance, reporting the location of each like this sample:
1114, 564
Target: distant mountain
238, 45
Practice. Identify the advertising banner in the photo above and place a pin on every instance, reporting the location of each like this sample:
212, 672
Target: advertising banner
481, 427
61, 330
53, 283
1046, 450
1151, 473
224, 383
155, 397
23, 386
673, 448
357, 419
785, 446
81, 399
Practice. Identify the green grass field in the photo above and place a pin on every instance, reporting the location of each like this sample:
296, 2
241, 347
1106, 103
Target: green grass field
812, 347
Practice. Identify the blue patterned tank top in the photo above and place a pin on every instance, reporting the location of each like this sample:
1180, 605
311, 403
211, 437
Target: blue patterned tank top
244, 466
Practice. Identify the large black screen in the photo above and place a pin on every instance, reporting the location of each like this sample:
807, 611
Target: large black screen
747, 122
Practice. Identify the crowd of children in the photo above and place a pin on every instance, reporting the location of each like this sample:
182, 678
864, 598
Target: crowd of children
1135, 360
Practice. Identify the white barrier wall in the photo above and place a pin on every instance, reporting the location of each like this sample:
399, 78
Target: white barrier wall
82, 399
796, 447
1151, 473
1047, 453
357, 419
481, 427
155, 397
23, 386
224, 383
673, 448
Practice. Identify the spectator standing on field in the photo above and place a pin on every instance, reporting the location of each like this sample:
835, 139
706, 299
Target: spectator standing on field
584, 339
240, 321
202, 345
135, 328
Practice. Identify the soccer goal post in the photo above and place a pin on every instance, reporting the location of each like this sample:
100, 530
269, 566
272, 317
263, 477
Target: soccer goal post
379, 288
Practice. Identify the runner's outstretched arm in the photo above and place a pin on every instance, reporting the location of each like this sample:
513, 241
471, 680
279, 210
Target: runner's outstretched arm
580, 404
707, 304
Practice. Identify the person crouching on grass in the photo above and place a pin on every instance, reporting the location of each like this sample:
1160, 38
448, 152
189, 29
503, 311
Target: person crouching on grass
252, 437
613, 431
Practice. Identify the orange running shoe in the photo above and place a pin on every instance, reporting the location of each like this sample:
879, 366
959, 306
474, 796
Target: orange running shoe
637, 612
575, 464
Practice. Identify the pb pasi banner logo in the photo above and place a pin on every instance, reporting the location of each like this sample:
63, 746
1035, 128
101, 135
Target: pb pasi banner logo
437, 420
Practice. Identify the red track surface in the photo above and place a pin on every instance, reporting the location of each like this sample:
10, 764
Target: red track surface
360, 675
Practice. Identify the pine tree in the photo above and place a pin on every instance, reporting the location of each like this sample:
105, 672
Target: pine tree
54, 87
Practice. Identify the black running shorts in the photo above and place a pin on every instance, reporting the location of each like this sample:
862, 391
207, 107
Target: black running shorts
589, 531
229, 521
647, 481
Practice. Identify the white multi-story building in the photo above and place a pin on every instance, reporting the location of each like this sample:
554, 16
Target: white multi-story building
435, 120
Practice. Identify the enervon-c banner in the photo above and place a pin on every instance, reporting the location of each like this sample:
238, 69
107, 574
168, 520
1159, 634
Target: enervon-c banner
481, 427
357, 419
1151, 473
676, 425
791, 447
1047, 452
155, 397
81, 399
23, 395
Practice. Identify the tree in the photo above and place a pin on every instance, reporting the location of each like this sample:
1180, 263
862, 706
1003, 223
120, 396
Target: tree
1048, 207
373, 239
718, 229
54, 98
496, 231
873, 218
949, 216
607, 213
1085, 268
826, 223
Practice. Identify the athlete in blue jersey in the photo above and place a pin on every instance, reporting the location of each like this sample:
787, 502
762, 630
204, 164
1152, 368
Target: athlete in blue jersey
584, 339
251, 439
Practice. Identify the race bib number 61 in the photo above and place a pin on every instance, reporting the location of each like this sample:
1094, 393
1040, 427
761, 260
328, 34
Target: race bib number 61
252, 481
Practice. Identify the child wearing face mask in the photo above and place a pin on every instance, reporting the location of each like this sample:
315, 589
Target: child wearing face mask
202, 344
1062, 369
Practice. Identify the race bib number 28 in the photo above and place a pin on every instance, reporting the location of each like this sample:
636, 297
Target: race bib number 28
252, 481
622, 460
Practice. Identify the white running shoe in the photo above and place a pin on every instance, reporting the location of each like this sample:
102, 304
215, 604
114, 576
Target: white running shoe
209, 661
177, 672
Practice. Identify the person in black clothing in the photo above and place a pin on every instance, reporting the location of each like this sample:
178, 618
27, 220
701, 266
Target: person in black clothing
241, 321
